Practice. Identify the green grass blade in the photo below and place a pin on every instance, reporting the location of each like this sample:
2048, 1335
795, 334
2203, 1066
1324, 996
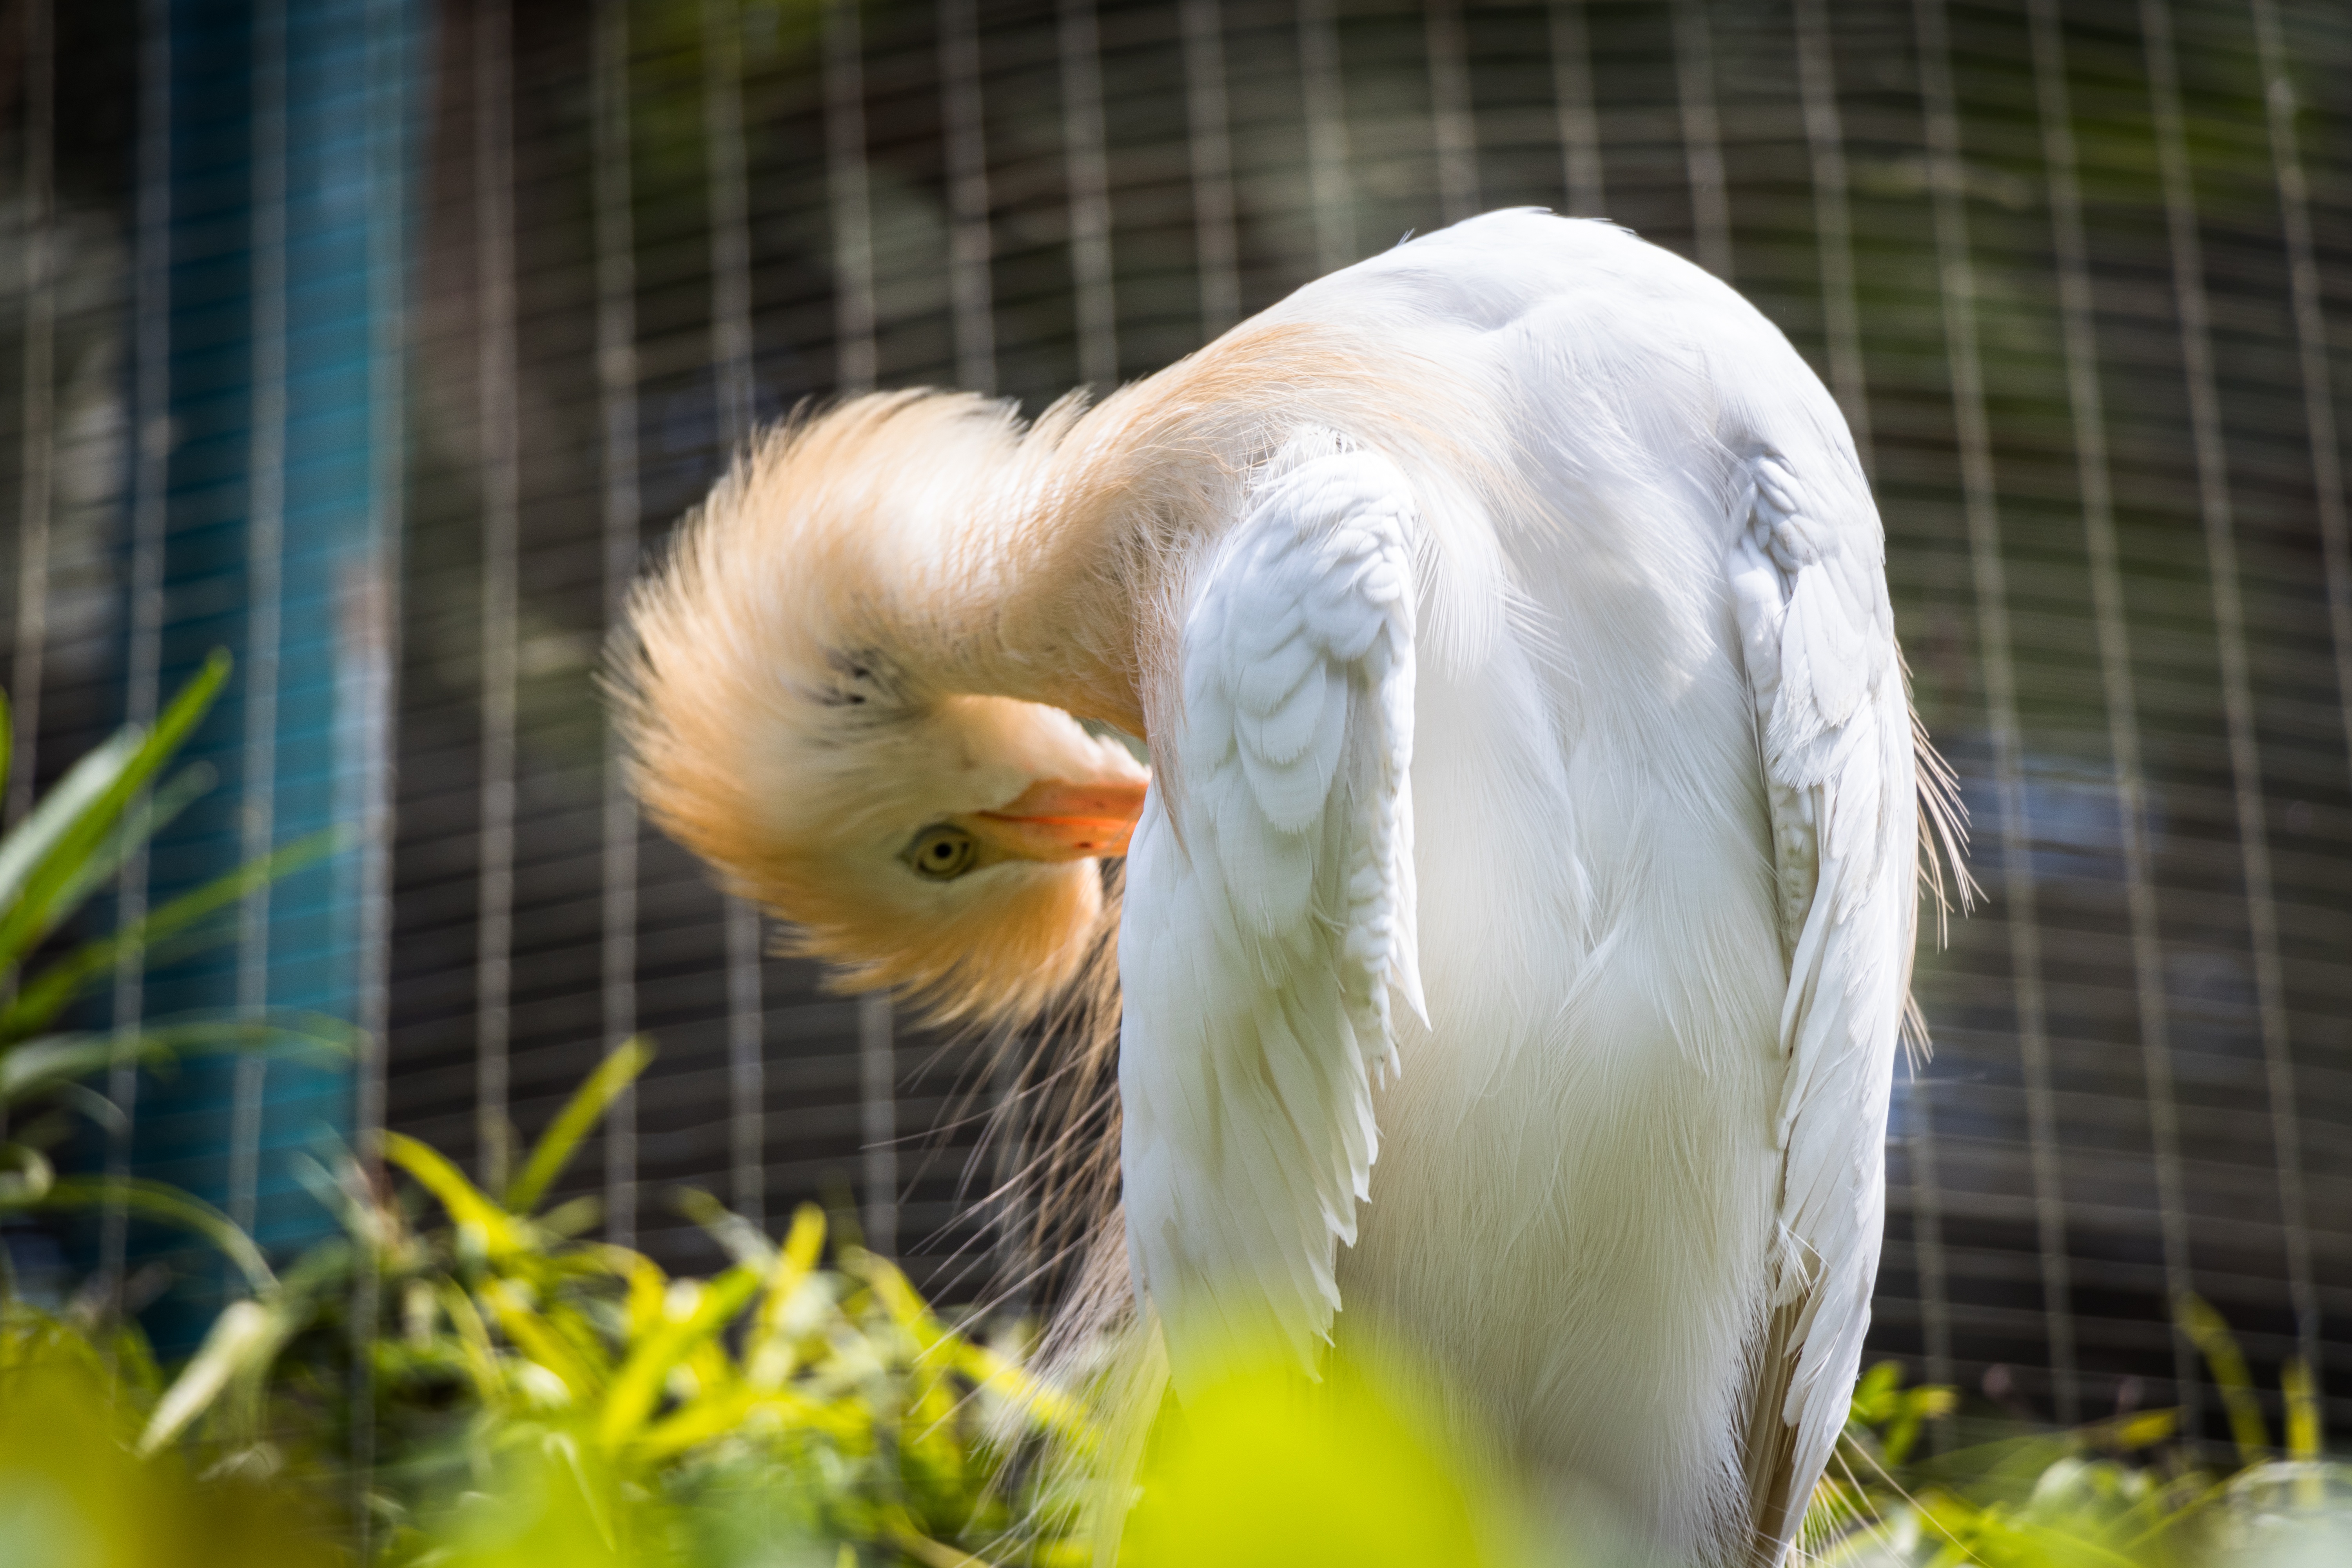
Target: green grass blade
743, 1240
38, 1065
2304, 1424
586, 1108
2210, 1331
54, 867
34, 1067
466, 1203
58, 983
161, 1201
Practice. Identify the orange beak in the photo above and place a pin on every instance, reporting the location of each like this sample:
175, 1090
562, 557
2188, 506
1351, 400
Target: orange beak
1051, 820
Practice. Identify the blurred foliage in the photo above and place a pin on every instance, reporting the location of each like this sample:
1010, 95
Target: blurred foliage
73, 1490
2129, 1492
67, 849
529, 1395
1264, 1469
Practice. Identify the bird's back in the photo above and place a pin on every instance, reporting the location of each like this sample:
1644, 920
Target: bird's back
1575, 1210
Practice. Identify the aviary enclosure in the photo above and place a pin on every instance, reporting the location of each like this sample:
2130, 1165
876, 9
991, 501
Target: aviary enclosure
375, 340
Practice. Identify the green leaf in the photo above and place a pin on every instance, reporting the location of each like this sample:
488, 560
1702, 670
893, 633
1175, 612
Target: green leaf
246, 1336
638, 1384
585, 1109
539, 1338
109, 781
2304, 1424
2210, 1334
144, 818
37, 1066
29, 844
743, 1241
466, 1203
48, 1062
25, 1176
161, 1201
58, 983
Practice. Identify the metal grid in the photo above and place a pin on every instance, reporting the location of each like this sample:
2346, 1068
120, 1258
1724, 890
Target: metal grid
2068, 264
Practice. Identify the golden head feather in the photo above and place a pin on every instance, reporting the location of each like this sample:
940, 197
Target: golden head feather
796, 691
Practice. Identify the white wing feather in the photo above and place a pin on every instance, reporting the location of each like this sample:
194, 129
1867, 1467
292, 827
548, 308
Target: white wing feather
1269, 911
1835, 726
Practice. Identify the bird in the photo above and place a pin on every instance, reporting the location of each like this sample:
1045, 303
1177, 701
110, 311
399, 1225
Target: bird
1512, 947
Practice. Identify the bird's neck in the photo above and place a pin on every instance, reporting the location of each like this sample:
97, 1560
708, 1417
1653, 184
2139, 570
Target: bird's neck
1073, 580
1066, 590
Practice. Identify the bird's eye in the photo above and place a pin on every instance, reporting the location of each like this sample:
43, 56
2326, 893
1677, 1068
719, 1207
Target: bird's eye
942, 853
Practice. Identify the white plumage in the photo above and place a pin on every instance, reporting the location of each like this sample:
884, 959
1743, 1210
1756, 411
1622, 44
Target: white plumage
1270, 910
1517, 931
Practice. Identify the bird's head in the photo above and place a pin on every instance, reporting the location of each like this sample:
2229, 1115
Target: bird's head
796, 687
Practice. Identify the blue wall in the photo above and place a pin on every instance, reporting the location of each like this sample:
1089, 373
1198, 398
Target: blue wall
349, 185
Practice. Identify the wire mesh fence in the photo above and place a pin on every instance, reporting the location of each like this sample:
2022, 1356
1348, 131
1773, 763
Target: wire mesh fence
2075, 270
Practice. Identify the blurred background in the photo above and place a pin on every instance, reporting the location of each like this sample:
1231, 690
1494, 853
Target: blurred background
375, 341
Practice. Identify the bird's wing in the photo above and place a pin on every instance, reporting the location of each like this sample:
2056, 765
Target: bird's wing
1270, 911
1833, 724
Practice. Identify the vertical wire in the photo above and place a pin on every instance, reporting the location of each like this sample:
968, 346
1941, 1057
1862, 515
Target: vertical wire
879, 1080
1927, 1248
847, 184
2089, 415
731, 236
1927, 1217
1825, 142
264, 593
1833, 223
500, 471
1452, 125
149, 519
373, 663
617, 390
731, 353
1958, 285
846, 177
1210, 130
1956, 281
1323, 100
1956, 271
1086, 159
853, 253
2236, 690
2311, 344
973, 298
1579, 125
2318, 397
1702, 137
36, 435
971, 292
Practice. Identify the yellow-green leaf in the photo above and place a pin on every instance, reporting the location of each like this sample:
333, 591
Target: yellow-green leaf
638, 1384
580, 1114
466, 1203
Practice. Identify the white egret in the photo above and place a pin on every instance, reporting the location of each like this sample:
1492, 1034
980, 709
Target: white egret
1517, 925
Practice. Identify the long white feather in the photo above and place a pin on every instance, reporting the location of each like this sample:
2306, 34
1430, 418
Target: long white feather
1271, 919
1834, 728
